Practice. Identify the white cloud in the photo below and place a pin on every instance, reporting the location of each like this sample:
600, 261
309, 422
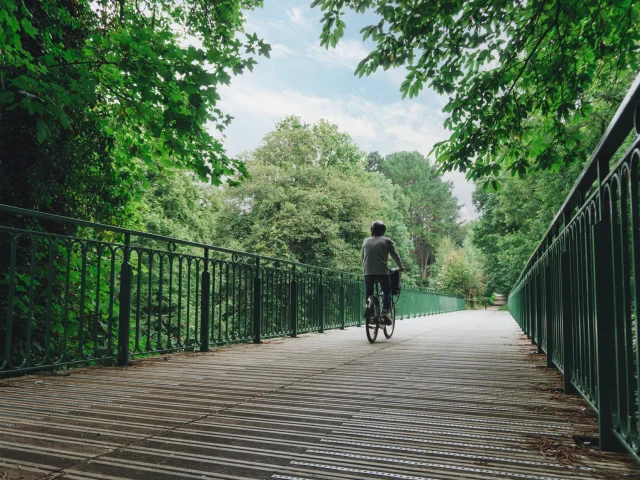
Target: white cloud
463, 189
347, 54
386, 128
280, 51
296, 15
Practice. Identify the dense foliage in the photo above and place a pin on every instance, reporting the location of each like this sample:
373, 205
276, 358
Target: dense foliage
515, 218
460, 270
311, 198
516, 73
95, 95
433, 210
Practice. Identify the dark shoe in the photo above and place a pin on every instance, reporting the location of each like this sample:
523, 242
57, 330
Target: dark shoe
386, 319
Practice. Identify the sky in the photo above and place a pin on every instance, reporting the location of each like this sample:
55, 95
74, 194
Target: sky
301, 78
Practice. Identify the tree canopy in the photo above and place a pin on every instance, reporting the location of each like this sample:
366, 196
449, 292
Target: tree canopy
113, 90
309, 198
433, 210
517, 74
514, 218
459, 270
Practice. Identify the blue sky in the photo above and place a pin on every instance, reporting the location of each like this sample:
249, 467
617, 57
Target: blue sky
303, 79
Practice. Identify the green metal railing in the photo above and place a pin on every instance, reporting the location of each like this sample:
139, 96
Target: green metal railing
416, 303
76, 292
577, 297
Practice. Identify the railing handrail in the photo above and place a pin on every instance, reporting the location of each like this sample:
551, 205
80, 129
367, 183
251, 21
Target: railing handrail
598, 164
152, 236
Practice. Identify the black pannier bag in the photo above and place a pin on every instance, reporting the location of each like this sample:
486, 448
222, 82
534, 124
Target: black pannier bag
395, 281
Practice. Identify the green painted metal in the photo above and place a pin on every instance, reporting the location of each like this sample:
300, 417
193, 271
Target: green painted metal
76, 292
577, 297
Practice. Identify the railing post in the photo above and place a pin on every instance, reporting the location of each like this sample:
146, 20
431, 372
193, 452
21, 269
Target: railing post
257, 304
293, 303
539, 310
567, 321
527, 307
342, 300
205, 297
548, 290
605, 333
321, 309
126, 274
535, 307
603, 262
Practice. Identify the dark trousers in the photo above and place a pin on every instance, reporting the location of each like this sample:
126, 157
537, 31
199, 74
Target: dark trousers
385, 283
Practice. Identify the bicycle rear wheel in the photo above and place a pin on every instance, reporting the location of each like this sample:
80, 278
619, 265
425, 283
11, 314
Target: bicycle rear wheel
388, 329
373, 321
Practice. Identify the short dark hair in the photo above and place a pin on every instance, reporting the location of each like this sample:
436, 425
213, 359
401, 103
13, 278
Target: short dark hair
378, 228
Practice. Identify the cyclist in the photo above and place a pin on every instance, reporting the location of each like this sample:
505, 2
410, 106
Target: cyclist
375, 255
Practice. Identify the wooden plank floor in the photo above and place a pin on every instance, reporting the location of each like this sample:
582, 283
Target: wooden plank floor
455, 396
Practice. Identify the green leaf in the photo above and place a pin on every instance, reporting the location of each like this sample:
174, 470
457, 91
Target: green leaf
42, 131
7, 97
28, 28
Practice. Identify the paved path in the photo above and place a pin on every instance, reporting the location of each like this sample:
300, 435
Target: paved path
455, 396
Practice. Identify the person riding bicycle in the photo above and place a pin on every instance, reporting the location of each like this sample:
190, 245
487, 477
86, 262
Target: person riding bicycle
375, 255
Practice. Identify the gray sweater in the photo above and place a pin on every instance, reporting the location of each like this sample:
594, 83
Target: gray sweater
375, 255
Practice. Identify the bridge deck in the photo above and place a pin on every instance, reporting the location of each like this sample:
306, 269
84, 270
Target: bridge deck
448, 397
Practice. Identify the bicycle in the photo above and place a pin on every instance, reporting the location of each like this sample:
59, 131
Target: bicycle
375, 320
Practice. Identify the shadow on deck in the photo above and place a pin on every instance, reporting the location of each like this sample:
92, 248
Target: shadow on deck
459, 395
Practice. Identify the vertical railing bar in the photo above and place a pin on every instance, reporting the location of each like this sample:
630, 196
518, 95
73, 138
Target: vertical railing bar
47, 336
196, 303
125, 304
220, 297
213, 304
148, 346
65, 315
179, 311
257, 304
159, 344
10, 300
35, 240
205, 296
138, 299
188, 340
226, 303
549, 311
83, 290
605, 335
170, 302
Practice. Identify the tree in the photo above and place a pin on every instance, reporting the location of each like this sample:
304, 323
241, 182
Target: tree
180, 206
321, 144
309, 198
502, 65
515, 217
112, 90
459, 270
374, 162
394, 213
433, 210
